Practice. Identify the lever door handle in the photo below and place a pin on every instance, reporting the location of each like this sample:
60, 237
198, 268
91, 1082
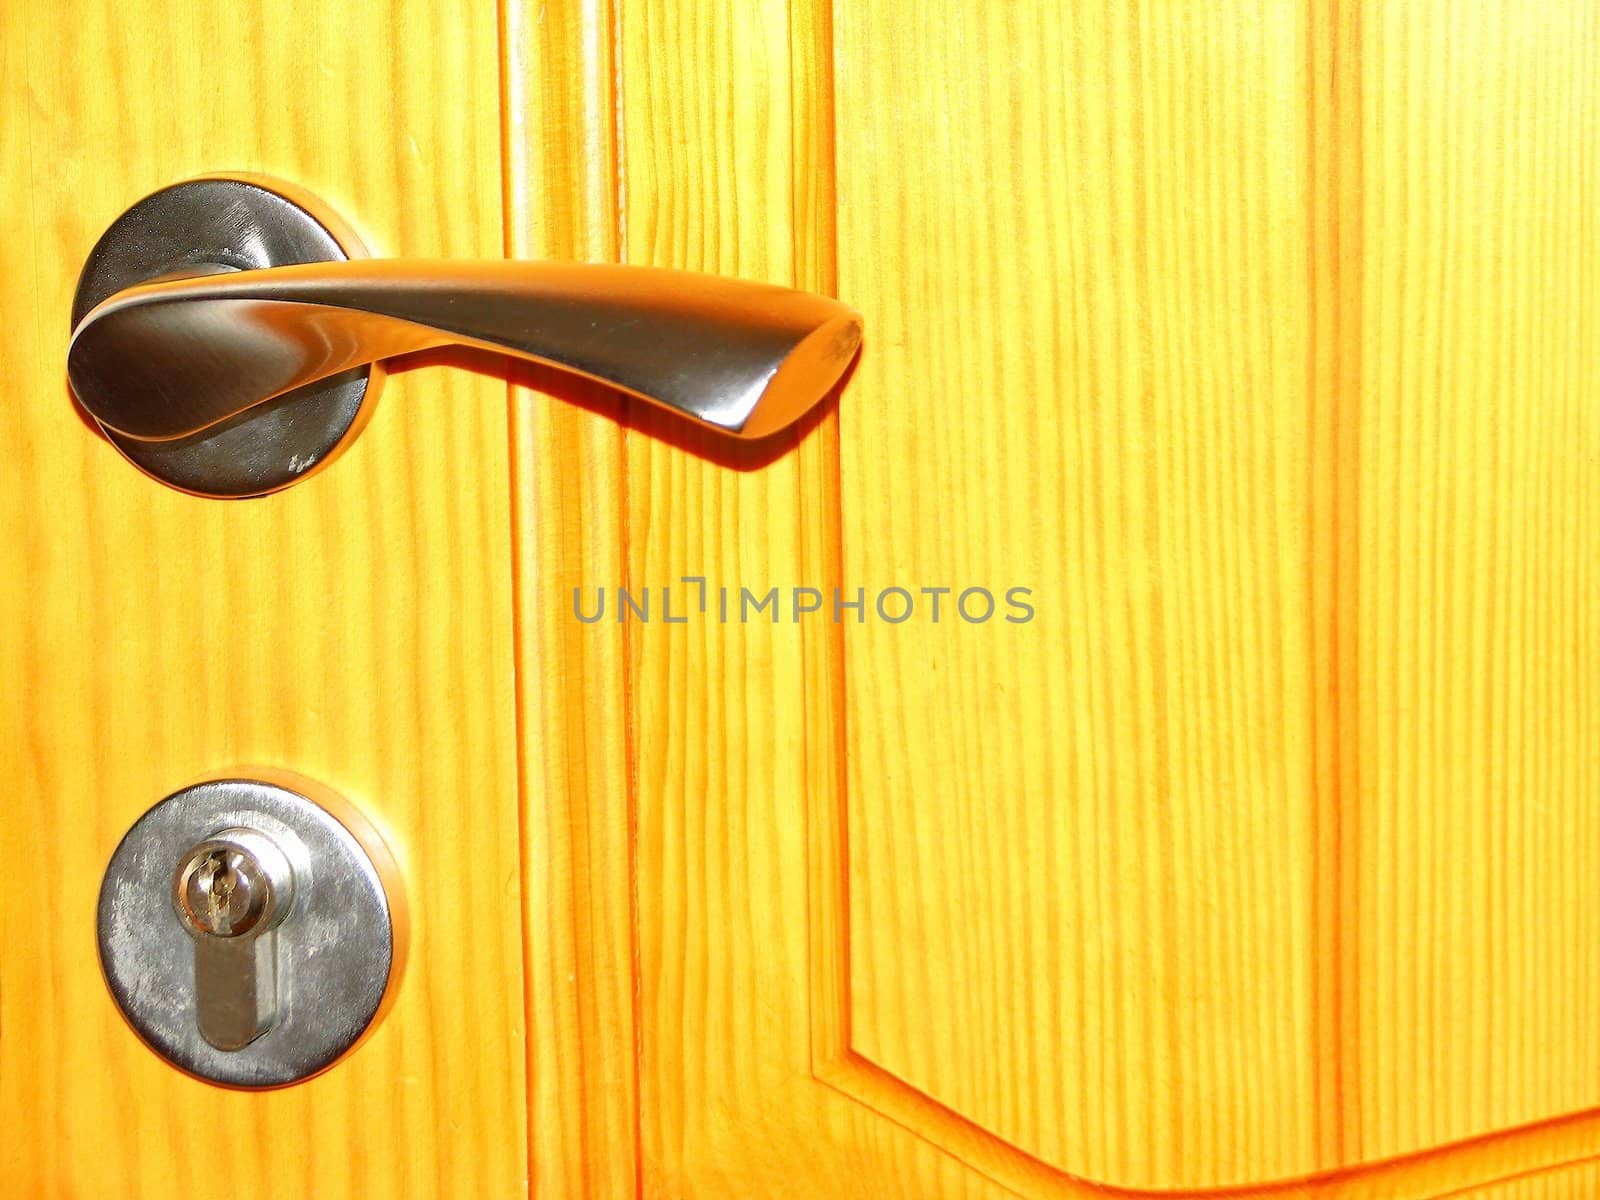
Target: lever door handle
222, 324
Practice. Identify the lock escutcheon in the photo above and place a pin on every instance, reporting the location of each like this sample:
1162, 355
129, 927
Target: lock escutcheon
249, 929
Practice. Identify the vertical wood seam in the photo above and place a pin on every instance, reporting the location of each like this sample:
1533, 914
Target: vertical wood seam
510, 161
1333, 363
815, 264
630, 741
582, 37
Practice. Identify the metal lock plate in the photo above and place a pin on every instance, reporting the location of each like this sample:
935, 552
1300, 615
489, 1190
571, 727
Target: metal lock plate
247, 933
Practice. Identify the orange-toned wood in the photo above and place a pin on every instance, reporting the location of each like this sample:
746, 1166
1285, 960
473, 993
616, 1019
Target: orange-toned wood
1250, 336
570, 513
357, 628
1253, 337
1473, 812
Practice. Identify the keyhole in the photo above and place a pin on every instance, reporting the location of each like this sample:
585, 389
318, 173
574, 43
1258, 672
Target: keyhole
223, 881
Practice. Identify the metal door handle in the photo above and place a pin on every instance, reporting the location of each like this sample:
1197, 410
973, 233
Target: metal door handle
253, 311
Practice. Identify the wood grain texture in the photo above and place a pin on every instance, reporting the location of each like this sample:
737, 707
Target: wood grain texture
1200, 879
1252, 336
357, 628
1080, 848
1576, 1182
711, 115
1472, 914
570, 522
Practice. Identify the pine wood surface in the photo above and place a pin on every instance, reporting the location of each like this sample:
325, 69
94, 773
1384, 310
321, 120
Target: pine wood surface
1172, 888
1253, 336
356, 628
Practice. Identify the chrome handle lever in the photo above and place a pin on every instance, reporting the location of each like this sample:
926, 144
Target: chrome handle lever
169, 359
261, 319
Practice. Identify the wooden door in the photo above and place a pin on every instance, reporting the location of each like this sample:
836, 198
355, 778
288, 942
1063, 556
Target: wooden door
1250, 337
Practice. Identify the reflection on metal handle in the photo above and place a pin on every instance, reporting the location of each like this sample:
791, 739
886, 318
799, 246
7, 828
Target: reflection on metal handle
166, 360
228, 334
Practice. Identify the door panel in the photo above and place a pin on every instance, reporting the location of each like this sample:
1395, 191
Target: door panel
1477, 637
1080, 848
356, 628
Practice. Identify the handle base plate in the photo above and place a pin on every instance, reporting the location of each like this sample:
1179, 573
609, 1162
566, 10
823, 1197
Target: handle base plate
242, 223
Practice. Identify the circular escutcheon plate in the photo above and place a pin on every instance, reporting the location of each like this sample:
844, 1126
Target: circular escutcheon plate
335, 946
234, 223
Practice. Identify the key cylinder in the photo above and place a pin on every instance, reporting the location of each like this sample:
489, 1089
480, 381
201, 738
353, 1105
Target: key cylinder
230, 891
